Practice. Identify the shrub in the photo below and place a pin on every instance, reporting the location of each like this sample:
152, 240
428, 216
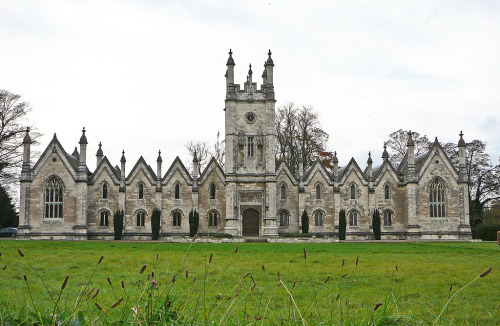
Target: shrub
222, 235
342, 224
305, 222
376, 224
118, 224
296, 235
155, 223
194, 222
485, 232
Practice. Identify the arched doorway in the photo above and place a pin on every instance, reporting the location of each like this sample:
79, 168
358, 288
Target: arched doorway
250, 222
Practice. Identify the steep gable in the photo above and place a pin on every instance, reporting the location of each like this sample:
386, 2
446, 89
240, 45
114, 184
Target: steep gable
353, 167
177, 166
148, 171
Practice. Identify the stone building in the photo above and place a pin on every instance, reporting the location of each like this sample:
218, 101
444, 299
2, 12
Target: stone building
423, 198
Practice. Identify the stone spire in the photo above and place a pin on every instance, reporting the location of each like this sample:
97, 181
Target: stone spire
461, 159
26, 152
370, 166
82, 165
230, 69
410, 145
335, 162
158, 172
123, 160
196, 164
269, 71
99, 155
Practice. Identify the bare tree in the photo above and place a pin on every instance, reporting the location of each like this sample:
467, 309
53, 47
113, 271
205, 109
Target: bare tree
219, 150
300, 136
13, 127
202, 153
396, 145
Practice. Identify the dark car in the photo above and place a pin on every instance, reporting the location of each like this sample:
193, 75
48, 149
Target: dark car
8, 232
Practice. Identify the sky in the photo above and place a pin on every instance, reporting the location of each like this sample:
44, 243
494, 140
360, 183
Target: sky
148, 75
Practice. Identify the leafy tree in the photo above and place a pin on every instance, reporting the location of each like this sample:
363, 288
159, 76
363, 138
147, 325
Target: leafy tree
305, 222
376, 224
194, 222
8, 215
118, 224
342, 224
299, 136
13, 126
155, 223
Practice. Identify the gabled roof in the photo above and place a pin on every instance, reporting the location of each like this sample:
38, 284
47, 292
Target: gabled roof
283, 167
106, 165
213, 165
142, 165
318, 166
426, 160
381, 170
68, 161
177, 165
353, 167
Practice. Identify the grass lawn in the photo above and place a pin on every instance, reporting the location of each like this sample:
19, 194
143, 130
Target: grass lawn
413, 281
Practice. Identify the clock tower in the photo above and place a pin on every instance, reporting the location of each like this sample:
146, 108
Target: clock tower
250, 153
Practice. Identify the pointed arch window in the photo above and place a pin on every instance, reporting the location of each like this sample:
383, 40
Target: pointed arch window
318, 191
213, 218
176, 218
141, 218
353, 191
250, 146
386, 192
318, 218
53, 195
437, 199
105, 191
177, 191
141, 191
388, 217
284, 218
104, 218
212, 191
283, 191
353, 218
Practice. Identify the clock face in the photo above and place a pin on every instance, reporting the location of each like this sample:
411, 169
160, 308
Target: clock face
250, 117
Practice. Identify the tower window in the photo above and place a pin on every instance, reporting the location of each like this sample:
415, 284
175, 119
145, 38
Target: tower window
105, 191
250, 146
104, 218
436, 199
141, 218
176, 218
213, 218
54, 198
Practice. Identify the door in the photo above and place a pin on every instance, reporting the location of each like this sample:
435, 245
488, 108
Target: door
250, 222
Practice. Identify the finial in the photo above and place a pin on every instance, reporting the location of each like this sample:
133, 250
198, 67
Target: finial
27, 138
250, 69
461, 142
436, 140
385, 154
269, 53
410, 139
83, 130
28, 129
123, 160
370, 161
335, 159
83, 139
230, 60
269, 61
55, 136
100, 144
159, 157
99, 151
230, 52
195, 157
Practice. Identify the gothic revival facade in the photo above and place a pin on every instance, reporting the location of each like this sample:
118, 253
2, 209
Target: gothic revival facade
423, 198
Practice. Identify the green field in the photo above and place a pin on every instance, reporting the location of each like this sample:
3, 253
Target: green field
411, 280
